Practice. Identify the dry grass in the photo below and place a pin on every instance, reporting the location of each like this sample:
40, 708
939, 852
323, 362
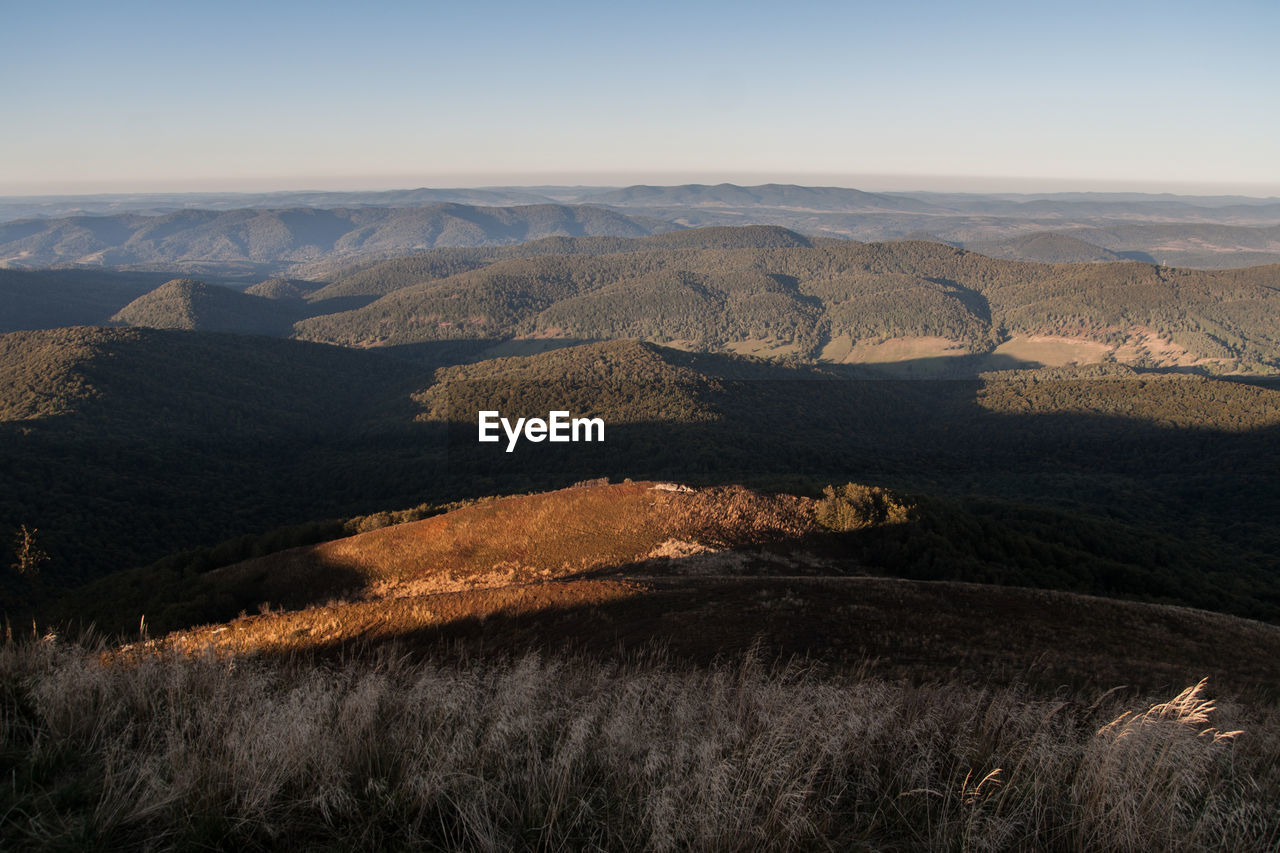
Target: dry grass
1053, 350
341, 625
519, 540
906, 629
843, 350
566, 753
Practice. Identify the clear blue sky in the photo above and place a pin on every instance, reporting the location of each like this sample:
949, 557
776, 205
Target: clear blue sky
127, 96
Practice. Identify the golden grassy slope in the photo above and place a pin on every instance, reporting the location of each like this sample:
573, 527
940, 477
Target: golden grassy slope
523, 539
706, 573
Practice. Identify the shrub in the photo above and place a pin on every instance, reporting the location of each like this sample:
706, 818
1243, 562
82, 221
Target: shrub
853, 507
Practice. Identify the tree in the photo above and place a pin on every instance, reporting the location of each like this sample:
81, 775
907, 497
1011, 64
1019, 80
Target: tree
28, 555
854, 506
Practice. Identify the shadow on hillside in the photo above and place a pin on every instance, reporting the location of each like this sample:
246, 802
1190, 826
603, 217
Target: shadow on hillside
958, 436
933, 368
897, 629
334, 305
237, 275
471, 350
1141, 451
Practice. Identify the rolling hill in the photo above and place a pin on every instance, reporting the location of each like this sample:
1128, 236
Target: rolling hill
1046, 247
380, 278
284, 289
928, 308
188, 304
485, 667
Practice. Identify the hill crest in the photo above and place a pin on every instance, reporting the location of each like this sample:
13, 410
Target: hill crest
1049, 247
185, 303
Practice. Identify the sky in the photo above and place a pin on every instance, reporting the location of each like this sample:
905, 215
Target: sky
141, 96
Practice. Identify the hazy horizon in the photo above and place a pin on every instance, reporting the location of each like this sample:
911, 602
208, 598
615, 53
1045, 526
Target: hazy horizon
1129, 96
870, 183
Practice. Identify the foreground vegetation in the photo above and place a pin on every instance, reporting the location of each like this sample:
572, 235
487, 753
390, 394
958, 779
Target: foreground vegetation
170, 752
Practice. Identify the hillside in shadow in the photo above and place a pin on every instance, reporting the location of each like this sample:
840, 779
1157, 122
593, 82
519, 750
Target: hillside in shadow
141, 444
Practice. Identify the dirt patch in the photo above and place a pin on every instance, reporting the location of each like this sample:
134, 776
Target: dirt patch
843, 350
1053, 350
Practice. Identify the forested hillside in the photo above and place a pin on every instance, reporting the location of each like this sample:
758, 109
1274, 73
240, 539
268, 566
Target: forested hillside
123, 445
804, 295
188, 304
120, 445
1045, 247
50, 299
932, 308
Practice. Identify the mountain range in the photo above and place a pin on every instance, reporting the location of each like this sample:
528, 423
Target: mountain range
274, 239
1221, 209
269, 231
908, 308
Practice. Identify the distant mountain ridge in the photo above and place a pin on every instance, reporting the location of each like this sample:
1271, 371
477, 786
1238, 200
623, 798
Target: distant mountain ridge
279, 238
1165, 206
154, 204
766, 195
270, 234
1047, 247
1210, 233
